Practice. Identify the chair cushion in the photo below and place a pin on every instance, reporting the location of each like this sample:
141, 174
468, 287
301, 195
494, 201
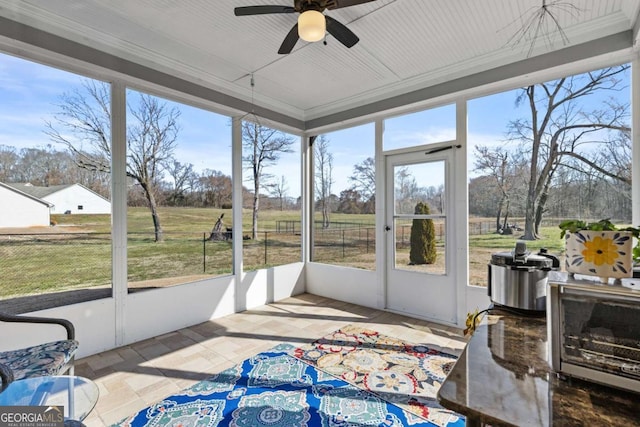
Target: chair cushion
40, 360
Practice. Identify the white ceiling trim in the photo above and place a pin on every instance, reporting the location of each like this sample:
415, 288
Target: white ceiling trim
458, 70
615, 48
312, 69
636, 30
17, 31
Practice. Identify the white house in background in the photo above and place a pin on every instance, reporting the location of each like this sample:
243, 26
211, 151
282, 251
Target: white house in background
20, 209
71, 198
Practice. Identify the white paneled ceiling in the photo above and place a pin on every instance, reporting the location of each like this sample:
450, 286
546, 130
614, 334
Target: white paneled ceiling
404, 44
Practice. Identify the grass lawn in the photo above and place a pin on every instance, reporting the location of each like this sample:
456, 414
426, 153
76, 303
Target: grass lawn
482, 246
196, 220
76, 253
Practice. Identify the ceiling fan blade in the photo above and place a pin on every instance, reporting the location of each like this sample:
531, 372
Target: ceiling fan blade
338, 4
289, 41
262, 10
340, 32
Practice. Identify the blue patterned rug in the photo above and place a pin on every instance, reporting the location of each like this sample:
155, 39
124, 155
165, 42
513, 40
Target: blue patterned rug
275, 389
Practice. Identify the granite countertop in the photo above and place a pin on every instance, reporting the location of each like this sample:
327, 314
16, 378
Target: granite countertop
503, 378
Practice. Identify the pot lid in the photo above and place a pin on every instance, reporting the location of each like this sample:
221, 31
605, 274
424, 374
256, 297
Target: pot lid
520, 257
526, 260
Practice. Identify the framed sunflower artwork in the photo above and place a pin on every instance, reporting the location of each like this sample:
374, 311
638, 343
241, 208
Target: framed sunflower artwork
605, 254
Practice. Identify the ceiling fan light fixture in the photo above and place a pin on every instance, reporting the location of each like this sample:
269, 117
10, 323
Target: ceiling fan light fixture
312, 26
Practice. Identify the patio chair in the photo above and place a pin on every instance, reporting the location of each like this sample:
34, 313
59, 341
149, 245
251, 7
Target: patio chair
51, 358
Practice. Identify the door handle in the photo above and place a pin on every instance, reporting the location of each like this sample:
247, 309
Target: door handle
387, 228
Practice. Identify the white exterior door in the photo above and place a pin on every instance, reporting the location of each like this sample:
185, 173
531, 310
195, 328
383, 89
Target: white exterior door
421, 282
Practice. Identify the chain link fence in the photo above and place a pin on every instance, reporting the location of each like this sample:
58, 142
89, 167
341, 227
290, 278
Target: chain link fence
51, 262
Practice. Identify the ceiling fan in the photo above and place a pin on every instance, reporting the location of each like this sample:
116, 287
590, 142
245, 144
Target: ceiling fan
312, 23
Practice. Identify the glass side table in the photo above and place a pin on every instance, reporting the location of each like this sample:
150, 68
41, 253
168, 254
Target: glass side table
77, 395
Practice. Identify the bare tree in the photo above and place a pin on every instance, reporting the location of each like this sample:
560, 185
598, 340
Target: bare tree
560, 127
407, 192
8, 161
195, 188
613, 160
495, 162
43, 166
279, 189
483, 196
596, 184
364, 178
217, 188
83, 125
350, 201
182, 176
262, 147
323, 176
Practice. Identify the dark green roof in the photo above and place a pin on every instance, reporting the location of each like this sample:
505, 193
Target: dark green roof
36, 191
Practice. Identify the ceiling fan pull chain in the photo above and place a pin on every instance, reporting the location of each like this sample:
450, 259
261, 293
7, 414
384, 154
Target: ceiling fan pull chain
253, 84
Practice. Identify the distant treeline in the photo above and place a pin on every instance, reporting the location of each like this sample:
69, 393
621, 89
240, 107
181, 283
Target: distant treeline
573, 195
181, 185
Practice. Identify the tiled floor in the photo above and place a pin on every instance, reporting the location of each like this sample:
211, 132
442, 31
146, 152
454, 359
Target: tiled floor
132, 377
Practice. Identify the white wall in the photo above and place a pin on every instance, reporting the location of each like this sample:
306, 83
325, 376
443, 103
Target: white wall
94, 322
268, 285
477, 298
359, 286
17, 210
158, 311
155, 312
70, 198
342, 283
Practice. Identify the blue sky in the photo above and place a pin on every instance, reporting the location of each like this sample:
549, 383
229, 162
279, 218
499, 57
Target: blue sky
29, 92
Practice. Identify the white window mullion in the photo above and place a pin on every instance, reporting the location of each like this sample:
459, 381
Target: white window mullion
119, 207
635, 135
307, 198
380, 217
460, 221
236, 175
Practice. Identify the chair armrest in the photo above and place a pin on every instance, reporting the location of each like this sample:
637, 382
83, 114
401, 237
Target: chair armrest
71, 332
6, 375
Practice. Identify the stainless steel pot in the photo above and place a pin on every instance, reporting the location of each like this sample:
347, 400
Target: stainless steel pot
518, 279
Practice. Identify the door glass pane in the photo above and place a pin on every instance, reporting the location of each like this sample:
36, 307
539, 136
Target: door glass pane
419, 242
423, 182
429, 255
